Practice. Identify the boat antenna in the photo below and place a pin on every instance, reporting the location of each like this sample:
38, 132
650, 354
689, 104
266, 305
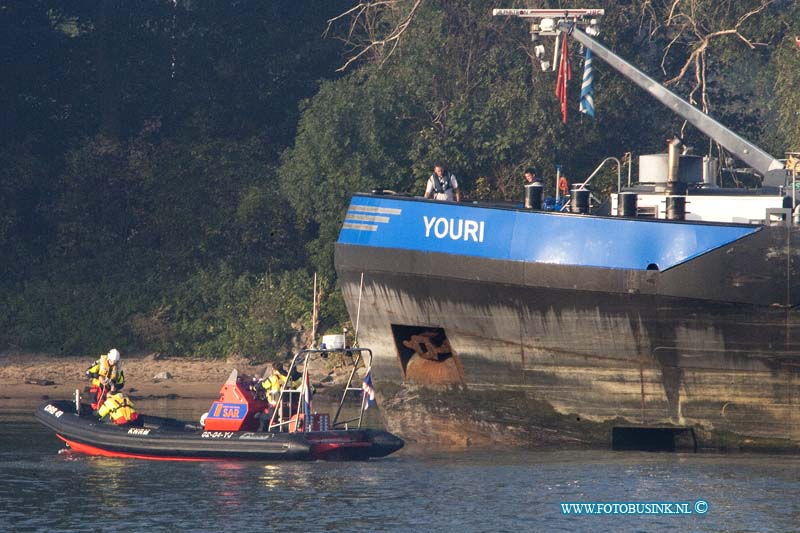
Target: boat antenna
314, 314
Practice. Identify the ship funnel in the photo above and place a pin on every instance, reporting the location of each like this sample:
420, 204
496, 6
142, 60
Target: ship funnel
675, 184
710, 168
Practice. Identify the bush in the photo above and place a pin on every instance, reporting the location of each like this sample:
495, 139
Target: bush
68, 319
216, 313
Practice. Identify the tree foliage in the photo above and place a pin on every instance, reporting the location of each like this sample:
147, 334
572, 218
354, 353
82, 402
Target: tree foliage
139, 153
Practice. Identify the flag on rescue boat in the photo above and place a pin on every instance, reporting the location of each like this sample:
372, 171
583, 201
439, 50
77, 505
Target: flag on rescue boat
369, 392
564, 75
306, 396
587, 86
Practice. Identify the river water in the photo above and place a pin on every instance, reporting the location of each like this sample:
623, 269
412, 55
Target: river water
44, 490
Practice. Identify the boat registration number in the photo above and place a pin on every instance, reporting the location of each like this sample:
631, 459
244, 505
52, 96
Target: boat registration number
217, 434
53, 410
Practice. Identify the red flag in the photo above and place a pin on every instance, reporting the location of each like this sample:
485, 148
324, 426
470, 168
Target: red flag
564, 75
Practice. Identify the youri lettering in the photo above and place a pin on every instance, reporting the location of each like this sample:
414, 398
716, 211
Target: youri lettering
458, 229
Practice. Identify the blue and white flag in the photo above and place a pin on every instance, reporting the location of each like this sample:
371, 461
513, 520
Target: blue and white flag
587, 86
306, 398
369, 392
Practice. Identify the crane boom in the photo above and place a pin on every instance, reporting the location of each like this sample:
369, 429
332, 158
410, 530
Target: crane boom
770, 168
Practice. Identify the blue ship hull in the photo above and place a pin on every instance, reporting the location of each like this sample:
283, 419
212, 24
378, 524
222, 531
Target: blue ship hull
605, 320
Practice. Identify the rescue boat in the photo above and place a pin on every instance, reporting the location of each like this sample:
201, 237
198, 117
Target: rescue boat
230, 428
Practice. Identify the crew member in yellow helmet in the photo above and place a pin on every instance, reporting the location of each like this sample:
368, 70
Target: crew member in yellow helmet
105, 372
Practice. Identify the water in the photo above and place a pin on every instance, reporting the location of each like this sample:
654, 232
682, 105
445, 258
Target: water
42, 490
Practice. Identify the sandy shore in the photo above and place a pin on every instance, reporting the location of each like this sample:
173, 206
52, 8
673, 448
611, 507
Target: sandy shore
36, 377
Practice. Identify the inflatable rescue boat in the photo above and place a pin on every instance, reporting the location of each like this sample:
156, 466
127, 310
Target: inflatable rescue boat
230, 428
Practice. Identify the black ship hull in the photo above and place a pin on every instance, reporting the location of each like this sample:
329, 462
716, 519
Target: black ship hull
710, 343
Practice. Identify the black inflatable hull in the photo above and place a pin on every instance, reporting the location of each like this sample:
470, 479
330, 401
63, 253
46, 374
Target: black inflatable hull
169, 439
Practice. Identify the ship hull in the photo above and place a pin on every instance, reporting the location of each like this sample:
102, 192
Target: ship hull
710, 343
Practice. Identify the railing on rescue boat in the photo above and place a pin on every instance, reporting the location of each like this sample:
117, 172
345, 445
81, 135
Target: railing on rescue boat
358, 357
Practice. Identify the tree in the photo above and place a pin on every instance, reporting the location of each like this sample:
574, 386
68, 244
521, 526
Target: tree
139, 148
785, 96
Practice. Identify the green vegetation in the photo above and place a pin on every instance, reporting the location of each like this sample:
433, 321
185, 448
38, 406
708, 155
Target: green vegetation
172, 174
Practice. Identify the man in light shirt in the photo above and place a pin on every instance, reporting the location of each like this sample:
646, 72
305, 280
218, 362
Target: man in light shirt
442, 185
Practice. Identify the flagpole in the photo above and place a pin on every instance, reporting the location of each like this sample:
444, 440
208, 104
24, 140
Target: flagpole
358, 311
556, 51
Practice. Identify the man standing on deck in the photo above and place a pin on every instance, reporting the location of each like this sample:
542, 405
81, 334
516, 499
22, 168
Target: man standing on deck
442, 185
530, 176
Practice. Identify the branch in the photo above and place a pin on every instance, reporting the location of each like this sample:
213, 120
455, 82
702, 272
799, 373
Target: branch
672, 11
697, 58
360, 14
667, 50
359, 10
647, 9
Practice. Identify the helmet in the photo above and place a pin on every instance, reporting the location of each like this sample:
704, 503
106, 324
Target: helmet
113, 356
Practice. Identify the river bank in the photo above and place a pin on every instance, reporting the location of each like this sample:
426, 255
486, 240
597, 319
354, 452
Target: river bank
38, 376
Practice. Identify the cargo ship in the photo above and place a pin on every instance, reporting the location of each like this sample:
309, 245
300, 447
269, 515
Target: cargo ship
670, 320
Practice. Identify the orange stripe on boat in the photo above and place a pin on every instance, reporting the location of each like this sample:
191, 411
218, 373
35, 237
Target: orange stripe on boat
92, 450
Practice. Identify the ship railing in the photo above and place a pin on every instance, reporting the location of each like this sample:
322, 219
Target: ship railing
593, 174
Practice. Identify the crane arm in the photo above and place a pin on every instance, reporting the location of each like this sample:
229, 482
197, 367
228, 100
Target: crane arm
771, 169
